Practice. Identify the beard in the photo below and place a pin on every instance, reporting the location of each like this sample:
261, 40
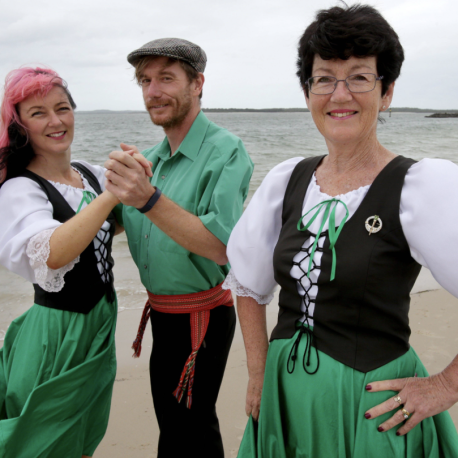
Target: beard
181, 108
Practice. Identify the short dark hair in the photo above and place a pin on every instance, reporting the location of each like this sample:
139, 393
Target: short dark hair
191, 72
359, 31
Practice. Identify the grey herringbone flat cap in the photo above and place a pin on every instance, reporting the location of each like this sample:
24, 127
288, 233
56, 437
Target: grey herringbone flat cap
172, 47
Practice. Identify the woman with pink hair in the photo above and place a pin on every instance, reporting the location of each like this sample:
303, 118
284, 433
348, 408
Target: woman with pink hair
57, 364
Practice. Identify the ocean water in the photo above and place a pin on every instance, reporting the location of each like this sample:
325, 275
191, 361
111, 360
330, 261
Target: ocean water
269, 138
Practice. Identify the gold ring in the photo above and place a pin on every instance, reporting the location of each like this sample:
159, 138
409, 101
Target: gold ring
405, 414
398, 399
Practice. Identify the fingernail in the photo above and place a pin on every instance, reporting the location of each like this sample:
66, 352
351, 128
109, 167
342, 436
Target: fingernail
415, 374
398, 433
368, 387
367, 415
380, 429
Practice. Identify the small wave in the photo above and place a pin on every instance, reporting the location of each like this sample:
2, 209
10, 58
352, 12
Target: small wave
123, 291
123, 309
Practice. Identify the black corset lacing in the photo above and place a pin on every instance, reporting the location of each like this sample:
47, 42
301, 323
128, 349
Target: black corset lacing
305, 328
103, 236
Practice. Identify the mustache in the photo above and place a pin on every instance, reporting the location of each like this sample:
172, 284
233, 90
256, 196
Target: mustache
150, 103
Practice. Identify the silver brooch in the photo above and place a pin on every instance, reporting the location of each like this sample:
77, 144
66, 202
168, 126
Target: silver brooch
373, 224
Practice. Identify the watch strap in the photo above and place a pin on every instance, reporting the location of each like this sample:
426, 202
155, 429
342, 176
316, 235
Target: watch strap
151, 202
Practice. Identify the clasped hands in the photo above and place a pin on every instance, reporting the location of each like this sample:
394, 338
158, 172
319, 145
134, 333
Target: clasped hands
128, 176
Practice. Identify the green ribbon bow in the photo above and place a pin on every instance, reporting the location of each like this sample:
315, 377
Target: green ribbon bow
88, 197
333, 233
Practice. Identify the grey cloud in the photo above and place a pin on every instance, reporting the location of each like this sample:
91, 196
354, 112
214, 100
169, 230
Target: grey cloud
251, 46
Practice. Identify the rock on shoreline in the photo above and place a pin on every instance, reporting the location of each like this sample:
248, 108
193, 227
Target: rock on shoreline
443, 115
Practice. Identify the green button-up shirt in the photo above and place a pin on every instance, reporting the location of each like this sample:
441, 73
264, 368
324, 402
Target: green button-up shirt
208, 176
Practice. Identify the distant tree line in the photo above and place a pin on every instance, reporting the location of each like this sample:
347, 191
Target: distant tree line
277, 110
306, 110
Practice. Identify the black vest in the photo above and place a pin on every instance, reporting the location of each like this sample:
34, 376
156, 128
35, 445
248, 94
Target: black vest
361, 317
83, 286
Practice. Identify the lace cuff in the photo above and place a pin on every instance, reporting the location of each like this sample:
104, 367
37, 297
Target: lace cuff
37, 250
232, 283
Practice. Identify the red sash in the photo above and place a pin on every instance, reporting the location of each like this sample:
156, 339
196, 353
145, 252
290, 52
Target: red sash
198, 305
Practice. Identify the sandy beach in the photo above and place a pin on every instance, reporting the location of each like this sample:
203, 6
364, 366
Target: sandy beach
133, 430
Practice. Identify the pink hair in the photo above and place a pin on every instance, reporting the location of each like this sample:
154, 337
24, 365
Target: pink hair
20, 84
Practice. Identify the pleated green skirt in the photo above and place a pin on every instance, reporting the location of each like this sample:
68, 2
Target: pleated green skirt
322, 415
57, 371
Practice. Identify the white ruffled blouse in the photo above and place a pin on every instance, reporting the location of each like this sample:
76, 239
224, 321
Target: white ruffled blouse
27, 224
428, 214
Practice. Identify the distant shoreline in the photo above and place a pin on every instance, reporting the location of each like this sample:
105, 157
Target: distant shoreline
272, 110
443, 115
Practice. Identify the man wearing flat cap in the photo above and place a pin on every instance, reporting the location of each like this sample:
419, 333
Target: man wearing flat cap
178, 222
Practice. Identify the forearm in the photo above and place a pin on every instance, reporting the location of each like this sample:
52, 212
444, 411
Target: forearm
71, 238
128, 181
252, 317
187, 230
449, 377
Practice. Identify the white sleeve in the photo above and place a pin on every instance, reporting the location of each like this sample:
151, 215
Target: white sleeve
51, 280
252, 242
429, 218
26, 225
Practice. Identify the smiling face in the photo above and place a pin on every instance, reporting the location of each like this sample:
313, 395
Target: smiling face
169, 96
49, 122
344, 116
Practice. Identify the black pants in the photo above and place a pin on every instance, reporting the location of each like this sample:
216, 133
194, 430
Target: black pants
189, 432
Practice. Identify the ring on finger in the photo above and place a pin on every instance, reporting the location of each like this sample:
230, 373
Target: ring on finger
405, 414
398, 399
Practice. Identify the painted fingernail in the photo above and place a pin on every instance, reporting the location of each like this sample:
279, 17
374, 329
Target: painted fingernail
367, 415
368, 387
398, 433
380, 429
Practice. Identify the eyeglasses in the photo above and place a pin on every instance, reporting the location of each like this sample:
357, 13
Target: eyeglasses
360, 82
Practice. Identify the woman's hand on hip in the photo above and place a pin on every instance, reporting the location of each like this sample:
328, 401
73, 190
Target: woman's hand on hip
417, 399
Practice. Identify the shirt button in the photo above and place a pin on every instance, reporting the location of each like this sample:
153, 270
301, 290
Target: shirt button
163, 177
145, 266
146, 236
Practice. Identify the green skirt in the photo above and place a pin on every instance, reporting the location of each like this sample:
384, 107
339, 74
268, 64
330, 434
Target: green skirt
57, 371
322, 415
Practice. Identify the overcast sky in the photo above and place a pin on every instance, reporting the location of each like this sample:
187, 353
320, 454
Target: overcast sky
250, 44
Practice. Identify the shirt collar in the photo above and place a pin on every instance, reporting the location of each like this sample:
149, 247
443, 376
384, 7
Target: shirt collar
191, 144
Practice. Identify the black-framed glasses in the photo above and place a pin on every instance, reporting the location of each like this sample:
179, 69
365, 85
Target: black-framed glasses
359, 82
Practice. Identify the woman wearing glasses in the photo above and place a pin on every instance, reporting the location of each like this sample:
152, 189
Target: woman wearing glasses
345, 236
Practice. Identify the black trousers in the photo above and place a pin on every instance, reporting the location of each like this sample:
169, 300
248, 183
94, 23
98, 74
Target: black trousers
189, 432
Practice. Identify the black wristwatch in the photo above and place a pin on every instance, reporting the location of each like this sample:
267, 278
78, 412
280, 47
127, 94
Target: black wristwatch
150, 204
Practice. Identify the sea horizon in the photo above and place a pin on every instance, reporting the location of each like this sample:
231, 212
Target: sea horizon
281, 110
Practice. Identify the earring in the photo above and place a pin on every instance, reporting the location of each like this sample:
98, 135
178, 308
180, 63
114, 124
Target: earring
383, 107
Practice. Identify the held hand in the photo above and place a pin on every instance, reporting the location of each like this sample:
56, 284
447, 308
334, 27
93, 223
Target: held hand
111, 198
253, 396
133, 151
127, 180
419, 397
